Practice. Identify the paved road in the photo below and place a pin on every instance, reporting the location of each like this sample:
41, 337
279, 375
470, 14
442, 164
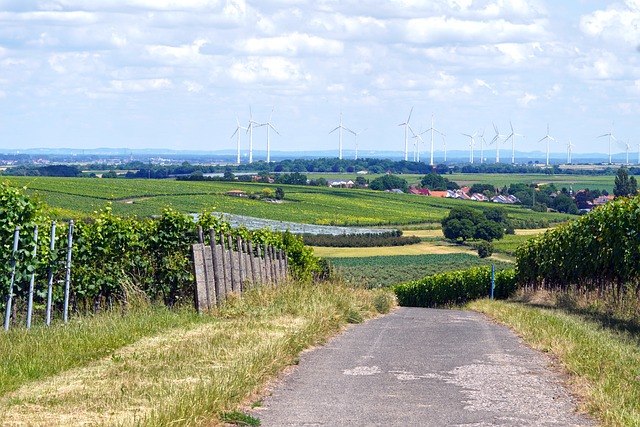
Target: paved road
422, 367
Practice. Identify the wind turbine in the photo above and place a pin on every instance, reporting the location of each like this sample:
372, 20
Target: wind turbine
627, 147
419, 140
482, 144
406, 135
339, 129
444, 147
250, 126
355, 134
237, 131
472, 142
269, 127
432, 130
610, 135
513, 145
569, 147
547, 137
496, 139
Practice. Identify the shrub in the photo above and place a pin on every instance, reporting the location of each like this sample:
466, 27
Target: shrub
485, 249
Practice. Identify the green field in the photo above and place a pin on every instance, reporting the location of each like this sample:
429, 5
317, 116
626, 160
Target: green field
578, 182
382, 271
79, 197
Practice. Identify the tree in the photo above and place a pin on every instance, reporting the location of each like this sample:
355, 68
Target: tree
625, 186
279, 193
110, 174
461, 223
389, 182
564, 203
488, 230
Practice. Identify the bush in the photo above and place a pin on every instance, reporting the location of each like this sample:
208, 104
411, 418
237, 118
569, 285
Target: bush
485, 249
455, 287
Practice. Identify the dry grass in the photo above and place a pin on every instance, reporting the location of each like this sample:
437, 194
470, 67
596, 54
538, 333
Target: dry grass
189, 375
417, 249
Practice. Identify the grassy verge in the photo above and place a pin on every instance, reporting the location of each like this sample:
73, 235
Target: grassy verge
157, 367
602, 359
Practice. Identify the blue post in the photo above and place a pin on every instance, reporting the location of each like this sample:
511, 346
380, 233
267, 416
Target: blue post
493, 279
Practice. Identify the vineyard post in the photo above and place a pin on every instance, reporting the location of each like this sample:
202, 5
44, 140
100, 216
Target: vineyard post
225, 266
233, 265
216, 267
52, 248
67, 278
267, 265
493, 279
32, 279
16, 239
274, 271
263, 274
200, 235
252, 262
241, 265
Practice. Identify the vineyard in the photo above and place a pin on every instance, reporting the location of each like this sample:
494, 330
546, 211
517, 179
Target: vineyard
116, 258
381, 271
599, 251
80, 197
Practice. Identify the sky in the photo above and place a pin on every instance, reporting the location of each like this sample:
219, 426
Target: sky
181, 74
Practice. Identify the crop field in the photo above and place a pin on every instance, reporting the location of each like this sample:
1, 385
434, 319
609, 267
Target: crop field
79, 197
382, 271
578, 182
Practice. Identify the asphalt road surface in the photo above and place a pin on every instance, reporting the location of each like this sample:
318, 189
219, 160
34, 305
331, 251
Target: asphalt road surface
422, 367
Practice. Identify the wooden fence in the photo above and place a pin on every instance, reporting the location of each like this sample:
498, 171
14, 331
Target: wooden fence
229, 265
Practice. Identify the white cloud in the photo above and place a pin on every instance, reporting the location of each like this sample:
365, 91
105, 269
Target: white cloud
294, 44
619, 22
266, 69
441, 30
137, 86
526, 99
180, 56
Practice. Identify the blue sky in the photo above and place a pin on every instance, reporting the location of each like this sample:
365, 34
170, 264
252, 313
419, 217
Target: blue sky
177, 73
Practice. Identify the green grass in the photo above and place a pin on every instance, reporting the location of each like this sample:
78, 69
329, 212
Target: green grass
79, 197
604, 363
386, 271
158, 367
510, 242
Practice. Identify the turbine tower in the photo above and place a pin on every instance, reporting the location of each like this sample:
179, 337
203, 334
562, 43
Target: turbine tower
269, 127
237, 131
250, 126
627, 147
496, 140
472, 142
355, 134
339, 129
432, 130
610, 135
482, 144
547, 137
512, 135
406, 135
